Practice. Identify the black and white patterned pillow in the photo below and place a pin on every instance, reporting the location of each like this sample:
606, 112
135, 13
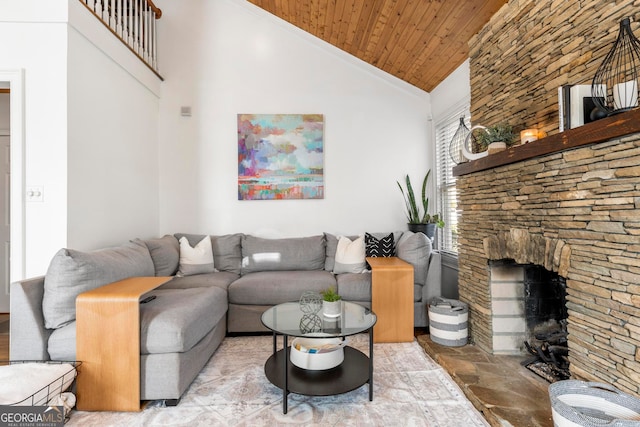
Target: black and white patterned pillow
384, 247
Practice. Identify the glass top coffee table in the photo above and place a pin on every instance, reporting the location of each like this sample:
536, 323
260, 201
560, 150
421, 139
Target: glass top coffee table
356, 370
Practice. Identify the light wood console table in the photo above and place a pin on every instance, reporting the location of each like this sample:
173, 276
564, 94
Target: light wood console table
392, 299
108, 344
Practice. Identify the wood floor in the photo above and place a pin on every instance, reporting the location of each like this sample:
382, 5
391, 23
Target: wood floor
4, 339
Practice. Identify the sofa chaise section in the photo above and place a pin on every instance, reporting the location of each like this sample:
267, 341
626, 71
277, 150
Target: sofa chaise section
180, 329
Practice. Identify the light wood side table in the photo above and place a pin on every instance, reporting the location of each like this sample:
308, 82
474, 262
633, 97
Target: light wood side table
392, 299
108, 344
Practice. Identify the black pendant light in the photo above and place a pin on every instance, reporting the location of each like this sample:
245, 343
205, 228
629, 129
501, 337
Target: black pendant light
615, 84
455, 146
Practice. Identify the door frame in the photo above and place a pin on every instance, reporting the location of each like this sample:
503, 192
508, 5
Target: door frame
15, 78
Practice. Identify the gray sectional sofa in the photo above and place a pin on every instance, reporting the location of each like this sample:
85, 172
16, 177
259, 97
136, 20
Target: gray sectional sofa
191, 314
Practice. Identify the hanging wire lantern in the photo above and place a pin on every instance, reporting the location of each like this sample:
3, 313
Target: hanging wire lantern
457, 142
615, 84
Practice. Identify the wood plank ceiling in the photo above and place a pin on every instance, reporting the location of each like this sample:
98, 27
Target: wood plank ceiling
418, 41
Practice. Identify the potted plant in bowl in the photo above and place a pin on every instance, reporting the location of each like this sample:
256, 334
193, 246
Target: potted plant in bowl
497, 138
331, 302
420, 222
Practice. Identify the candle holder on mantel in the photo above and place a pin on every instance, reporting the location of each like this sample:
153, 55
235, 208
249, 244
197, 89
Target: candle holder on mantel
615, 84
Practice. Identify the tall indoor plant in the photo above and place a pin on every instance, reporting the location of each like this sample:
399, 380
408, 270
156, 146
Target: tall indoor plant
420, 221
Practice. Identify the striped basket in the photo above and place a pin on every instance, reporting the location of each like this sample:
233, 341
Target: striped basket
448, 322
592, 404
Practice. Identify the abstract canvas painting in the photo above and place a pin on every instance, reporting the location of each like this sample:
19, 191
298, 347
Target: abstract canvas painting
280, 156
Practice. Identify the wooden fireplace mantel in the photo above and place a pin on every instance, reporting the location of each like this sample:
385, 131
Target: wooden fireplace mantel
599, 131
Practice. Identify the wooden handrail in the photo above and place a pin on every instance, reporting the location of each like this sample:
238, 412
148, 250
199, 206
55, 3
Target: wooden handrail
156, 9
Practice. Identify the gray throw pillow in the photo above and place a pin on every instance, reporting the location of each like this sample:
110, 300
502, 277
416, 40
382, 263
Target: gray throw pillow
415, 248
227, 252
73, 272
296, 253
165, 253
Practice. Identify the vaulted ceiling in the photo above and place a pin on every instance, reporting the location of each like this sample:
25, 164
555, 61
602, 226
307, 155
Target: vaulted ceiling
418, 41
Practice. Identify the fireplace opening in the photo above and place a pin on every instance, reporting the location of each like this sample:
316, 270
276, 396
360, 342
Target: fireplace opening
546, 315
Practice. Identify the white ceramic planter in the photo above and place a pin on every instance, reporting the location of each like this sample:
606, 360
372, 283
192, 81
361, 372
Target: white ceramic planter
496, 147
331, 308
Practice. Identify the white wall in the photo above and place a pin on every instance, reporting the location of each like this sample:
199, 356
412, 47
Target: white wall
226, 57
113, 142
453, 90
39, 49
90, 130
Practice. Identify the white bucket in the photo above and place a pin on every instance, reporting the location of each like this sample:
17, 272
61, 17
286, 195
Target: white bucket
317, 354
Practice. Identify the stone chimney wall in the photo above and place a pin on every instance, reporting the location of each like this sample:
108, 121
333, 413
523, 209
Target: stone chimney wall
532, 47
576, 211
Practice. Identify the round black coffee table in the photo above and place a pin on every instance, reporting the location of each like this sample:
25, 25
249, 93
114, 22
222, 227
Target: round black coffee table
357, 369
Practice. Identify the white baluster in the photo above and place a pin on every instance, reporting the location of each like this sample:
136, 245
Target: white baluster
129, 39
119, 19
138, 25
147, 16
154, 44
112, 14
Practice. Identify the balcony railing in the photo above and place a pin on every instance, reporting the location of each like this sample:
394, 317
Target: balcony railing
133, 22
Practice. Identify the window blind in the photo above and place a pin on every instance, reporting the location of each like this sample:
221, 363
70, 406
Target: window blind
447, 202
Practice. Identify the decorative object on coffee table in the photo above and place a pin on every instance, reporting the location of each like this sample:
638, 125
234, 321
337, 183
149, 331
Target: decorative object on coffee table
310, 302
331, 302
317, 354
310, 323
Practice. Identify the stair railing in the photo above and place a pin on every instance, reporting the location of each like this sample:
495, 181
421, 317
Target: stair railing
133, 22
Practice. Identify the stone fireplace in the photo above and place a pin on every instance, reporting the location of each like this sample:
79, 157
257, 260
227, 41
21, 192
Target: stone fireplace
576, 213
524, 300
570, 202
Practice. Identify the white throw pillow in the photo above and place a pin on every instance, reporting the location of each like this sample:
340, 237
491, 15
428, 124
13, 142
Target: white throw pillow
350, 256
197, 260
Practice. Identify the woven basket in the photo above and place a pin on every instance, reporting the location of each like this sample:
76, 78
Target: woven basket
592, 404
448, 322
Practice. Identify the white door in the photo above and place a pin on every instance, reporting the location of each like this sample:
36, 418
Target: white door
5, 235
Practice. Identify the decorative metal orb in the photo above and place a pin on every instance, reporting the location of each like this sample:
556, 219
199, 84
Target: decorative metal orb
310, 302
310, 323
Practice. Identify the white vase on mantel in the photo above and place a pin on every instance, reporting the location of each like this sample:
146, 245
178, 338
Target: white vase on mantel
332, 308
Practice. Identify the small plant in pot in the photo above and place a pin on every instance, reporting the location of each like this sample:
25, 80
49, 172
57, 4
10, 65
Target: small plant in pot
417, 221
331, 302
497, 138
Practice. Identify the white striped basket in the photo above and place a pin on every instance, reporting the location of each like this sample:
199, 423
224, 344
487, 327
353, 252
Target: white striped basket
448, 322
591, 404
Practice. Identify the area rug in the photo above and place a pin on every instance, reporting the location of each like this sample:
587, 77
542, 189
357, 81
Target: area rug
410, 389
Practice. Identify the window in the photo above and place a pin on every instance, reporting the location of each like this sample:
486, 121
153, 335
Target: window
445, 128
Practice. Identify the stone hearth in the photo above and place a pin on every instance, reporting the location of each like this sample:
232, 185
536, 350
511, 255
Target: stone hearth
577, 213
